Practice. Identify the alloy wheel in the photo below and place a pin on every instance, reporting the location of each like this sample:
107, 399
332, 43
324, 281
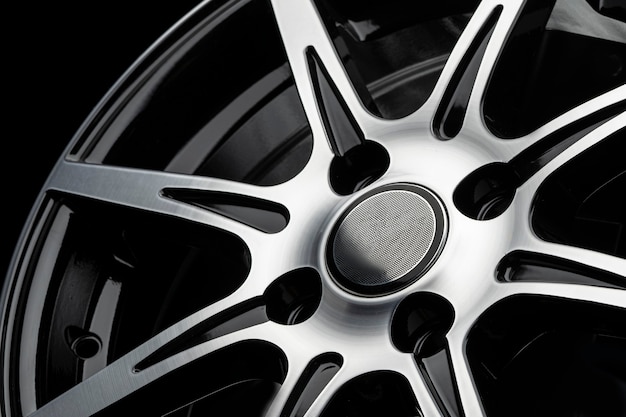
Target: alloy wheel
301, 208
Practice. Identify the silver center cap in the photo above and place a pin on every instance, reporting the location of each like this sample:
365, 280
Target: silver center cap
387, 239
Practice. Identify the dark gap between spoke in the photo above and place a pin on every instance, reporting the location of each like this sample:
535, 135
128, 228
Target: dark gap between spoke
318, 373
342, 130
535, 157
242, 316
522, 266
267, 216
450, 114
488, 191
419, 327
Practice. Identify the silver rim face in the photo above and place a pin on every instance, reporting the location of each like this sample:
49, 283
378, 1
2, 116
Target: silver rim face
337, 221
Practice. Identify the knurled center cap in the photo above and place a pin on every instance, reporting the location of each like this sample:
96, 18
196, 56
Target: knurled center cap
387, 239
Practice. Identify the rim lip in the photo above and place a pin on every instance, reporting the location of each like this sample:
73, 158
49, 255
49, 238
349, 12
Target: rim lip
419, 270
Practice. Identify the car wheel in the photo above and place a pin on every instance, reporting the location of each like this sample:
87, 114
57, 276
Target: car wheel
337, 208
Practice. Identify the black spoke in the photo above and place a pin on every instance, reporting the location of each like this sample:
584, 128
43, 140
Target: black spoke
583, 202
358, 162
437, 369
419, 327
299, 208
314, 379
568, 356
252, 369
236, 318
374, 394
488, 191
522, 266
449, 117
264, 215
535, 157
341, 128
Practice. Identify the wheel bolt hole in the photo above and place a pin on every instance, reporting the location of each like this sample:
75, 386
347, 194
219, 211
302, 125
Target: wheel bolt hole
294, 297
84, 344
420, 324
487, 192
359, 167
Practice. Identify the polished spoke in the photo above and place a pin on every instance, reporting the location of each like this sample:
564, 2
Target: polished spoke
306, 380
302, 31
330, 340
144, 190
527, 192
600, 261
341, 129
470, 399
469, 66
585, 293
545, 143
474, 125
450, 115
120, 379
425, 397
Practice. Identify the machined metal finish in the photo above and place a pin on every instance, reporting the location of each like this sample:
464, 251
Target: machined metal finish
377, 241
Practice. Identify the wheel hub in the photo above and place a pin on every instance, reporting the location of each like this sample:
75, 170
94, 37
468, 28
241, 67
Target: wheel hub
387, 239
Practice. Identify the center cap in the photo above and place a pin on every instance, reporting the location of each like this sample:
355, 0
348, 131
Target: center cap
387, 239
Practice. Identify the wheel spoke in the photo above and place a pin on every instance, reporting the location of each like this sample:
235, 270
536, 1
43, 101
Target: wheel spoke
325, 397
523, 266
223, 204
599, 261
426, 397
456, 98
470, 399
339, 391
452, 109
599, 295
215, 329
179, 277
341, 129
527, 191
304, 383
533, 151
302, 31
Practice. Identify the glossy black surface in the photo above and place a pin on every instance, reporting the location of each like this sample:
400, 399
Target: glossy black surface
358, 168
263, 215
341, 129
382, 393
72, 55
583, 203
240, 317
546, 357
543, 73
535, 157
252, 370
612, 8
584, 374
487, 192
450, 114
314, 379
419, 326
532, 267
394, 50
439, 375
294, 297
112, 261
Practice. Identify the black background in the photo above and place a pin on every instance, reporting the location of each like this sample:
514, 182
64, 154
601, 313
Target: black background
60, 59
